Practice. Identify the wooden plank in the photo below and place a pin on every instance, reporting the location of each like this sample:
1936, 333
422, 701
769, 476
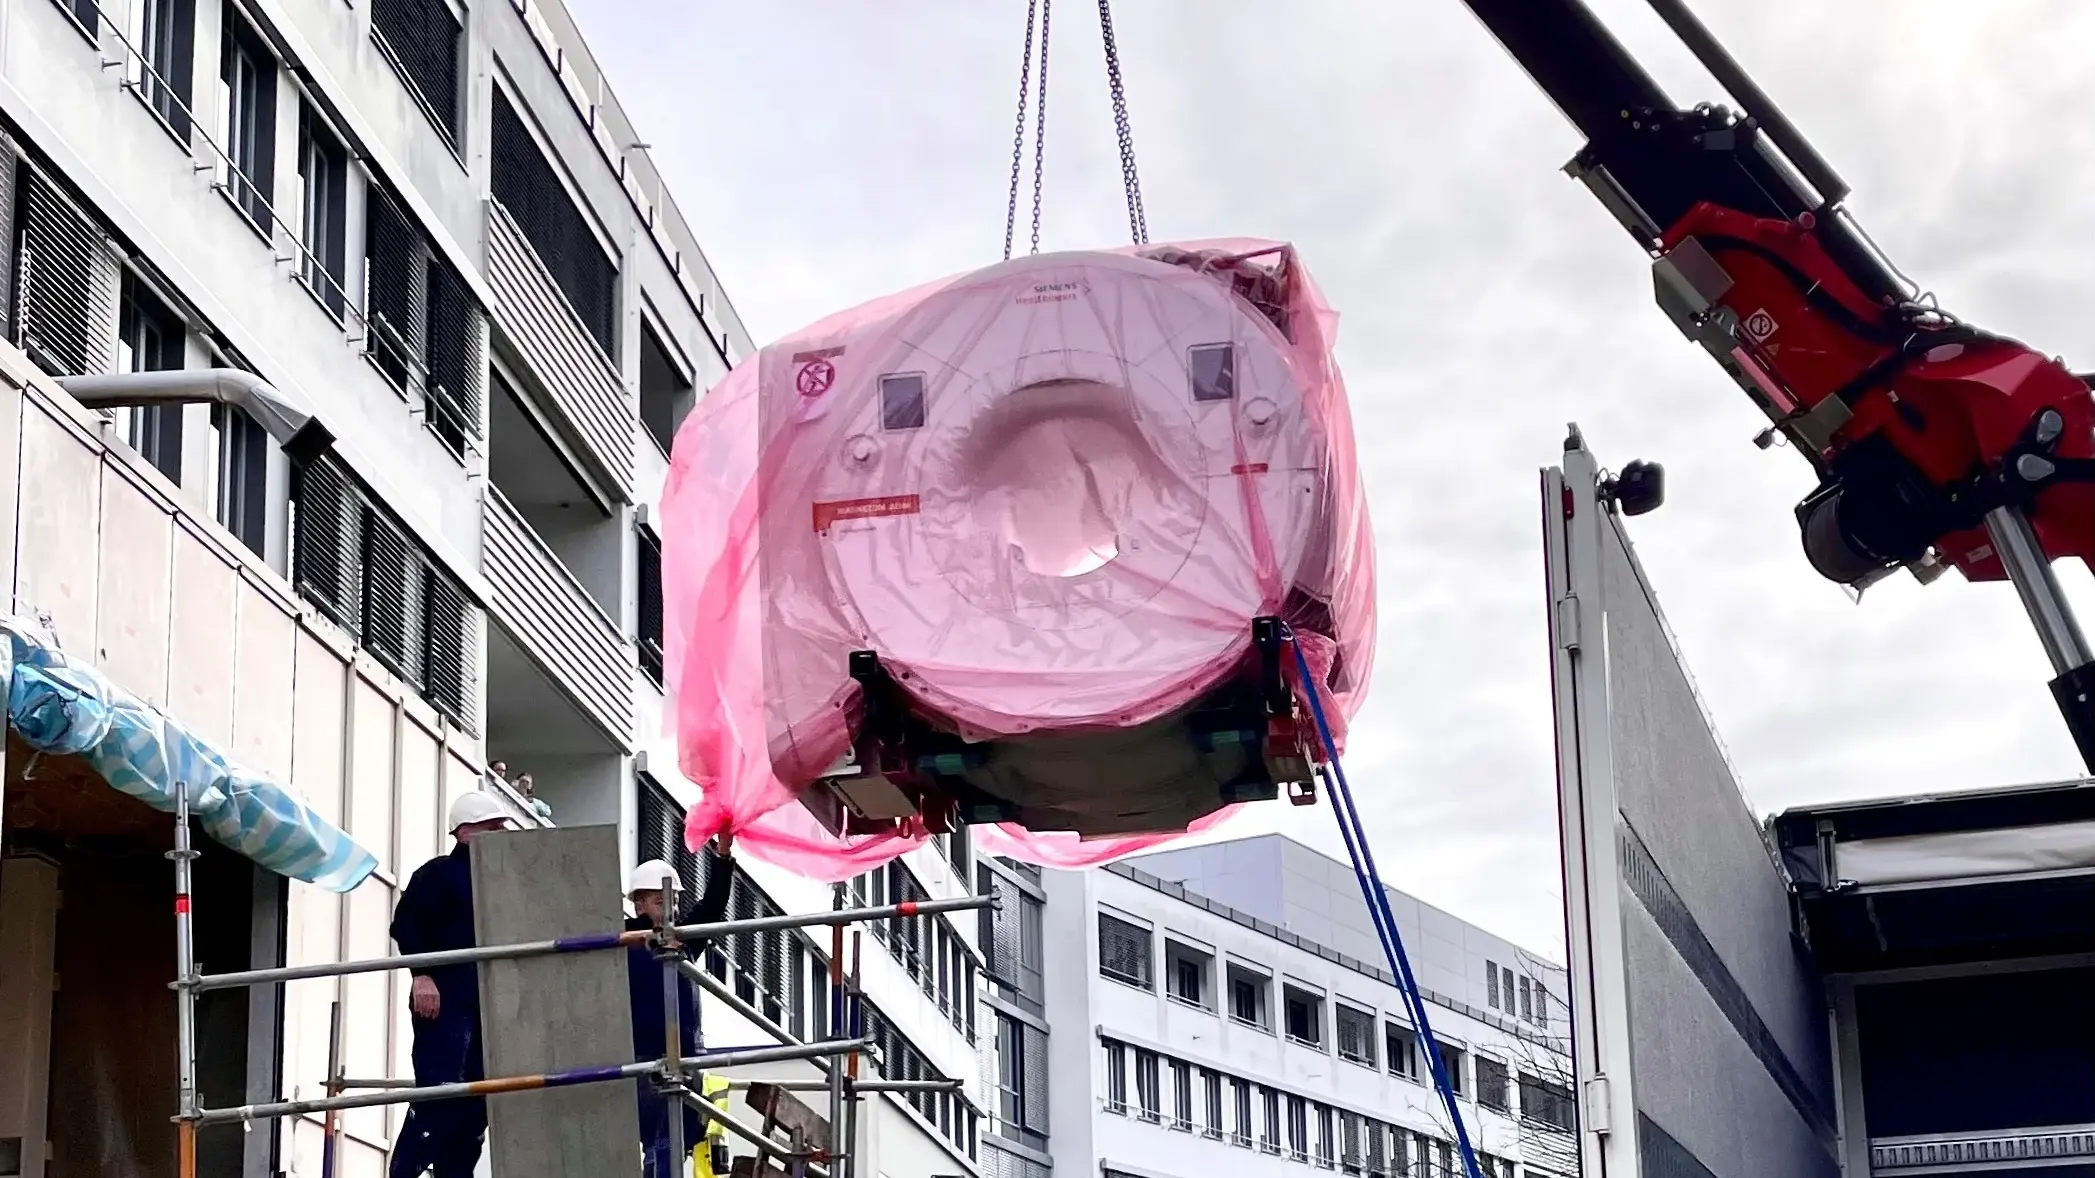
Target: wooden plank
787, 1113
550, 1014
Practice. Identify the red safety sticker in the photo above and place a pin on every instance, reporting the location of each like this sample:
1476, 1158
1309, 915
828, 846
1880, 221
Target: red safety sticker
815, 377
181, 905
838, 510
1249, 468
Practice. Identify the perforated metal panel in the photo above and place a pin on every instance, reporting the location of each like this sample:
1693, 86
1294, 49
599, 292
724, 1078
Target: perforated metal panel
527, 187
422, 38
1123, 950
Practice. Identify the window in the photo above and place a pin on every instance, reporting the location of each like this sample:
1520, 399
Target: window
242, 502
1491, 1084
1506, 986
1181, 1095
1305, 1016
1349, 1142
1401, 1049
151, 339
164, 32
1452, 1059
247, 78
1188, 971
1212, 369
1378, 1160
1298, 1129
1491, 983
1247, 997
947, 1113
323, 212
1399, 1153
1148, 1086
1541, 1003
524, 183
354, 562
1269, 1137
422, 40
425, 325
1240, 1090
665, 392
1356, 1035
1546, 1103
1021, 1082
648, 626
1123, 951
902, 401
1325, 1144
1212, 1083
1116, 1077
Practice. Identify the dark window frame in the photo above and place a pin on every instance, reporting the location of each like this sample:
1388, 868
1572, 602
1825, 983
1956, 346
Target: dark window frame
166, 64
323, 215
158, 341
526, 182
648, 633
249, 71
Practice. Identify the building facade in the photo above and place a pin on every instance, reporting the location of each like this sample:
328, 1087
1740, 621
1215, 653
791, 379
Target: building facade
429, 223
1231, 1014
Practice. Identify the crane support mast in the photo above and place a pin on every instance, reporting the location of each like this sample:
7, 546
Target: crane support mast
1936, 444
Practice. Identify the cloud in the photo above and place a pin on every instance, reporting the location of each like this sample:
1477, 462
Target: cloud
827, 152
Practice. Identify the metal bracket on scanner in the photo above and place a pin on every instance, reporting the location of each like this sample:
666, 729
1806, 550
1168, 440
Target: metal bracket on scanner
901, 770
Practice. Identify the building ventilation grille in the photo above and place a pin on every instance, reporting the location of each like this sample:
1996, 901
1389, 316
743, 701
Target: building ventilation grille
1971, 1152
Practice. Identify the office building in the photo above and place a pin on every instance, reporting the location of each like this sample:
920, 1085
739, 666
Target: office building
1231, 1013
429, 224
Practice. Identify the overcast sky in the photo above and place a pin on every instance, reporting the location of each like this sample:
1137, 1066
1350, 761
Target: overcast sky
828, 151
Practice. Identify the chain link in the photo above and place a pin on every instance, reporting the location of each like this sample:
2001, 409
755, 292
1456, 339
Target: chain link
1018, 129
1040, 120
1138, 220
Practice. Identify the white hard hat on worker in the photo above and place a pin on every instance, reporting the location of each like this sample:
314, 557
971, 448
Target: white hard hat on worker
652, 876
475, 811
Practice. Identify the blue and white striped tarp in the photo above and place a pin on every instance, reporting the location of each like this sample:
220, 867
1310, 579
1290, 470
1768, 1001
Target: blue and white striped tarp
62, 705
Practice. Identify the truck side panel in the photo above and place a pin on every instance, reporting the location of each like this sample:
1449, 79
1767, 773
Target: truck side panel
1700, 1037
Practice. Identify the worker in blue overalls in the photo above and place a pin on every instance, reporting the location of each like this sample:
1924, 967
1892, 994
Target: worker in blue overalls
435, 913
646, 887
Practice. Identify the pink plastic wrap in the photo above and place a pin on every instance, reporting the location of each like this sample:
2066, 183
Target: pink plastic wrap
1051, 495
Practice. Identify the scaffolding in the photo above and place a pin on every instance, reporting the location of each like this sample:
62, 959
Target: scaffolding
672, 1074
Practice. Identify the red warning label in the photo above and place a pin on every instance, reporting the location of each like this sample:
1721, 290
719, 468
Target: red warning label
815, 377
845, 510
1249, 468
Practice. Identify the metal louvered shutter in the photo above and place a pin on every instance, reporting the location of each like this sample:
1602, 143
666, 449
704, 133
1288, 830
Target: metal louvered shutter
423, 38
1123, 951
327, 536
428, 333
1033, 1057
451, 644
649, 626
392, 614
66, 282
454, 357
526, 186
396, 289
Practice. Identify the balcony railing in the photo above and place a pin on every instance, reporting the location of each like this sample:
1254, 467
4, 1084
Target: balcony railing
559, 626
585, 390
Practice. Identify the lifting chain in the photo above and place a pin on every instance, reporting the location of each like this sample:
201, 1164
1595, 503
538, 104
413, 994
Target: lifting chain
1038, 13
1138, 221
1038, 16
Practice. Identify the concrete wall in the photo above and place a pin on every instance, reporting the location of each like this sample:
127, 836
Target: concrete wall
174, 609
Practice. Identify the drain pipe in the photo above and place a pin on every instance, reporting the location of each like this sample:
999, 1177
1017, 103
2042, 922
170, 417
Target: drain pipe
301, 434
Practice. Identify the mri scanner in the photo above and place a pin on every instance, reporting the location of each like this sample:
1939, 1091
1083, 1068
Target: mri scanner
1032, 541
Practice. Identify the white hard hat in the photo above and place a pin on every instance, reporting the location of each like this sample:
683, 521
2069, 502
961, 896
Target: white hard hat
474, 806
652, 876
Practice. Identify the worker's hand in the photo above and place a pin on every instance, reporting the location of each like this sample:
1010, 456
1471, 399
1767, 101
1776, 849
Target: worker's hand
423, 999
726, 839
